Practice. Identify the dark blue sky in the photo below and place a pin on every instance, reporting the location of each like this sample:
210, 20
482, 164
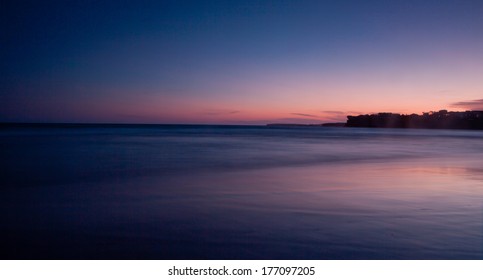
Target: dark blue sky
235, 61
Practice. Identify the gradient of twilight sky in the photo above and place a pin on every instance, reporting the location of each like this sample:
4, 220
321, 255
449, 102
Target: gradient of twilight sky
237, 62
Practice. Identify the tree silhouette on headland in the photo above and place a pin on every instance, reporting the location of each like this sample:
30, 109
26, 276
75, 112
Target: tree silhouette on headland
434, 120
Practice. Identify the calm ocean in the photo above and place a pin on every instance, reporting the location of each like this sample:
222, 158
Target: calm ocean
240, 192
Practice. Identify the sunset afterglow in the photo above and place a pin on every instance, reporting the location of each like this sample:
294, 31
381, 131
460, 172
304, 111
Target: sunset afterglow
241, 62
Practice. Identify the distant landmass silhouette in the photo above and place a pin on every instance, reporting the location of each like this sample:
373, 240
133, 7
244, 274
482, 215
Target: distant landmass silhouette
442, 119
433, 120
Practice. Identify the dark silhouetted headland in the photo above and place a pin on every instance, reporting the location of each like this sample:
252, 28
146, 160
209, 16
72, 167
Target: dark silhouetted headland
433, 120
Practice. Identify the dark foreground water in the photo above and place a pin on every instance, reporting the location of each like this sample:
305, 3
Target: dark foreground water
212, 192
